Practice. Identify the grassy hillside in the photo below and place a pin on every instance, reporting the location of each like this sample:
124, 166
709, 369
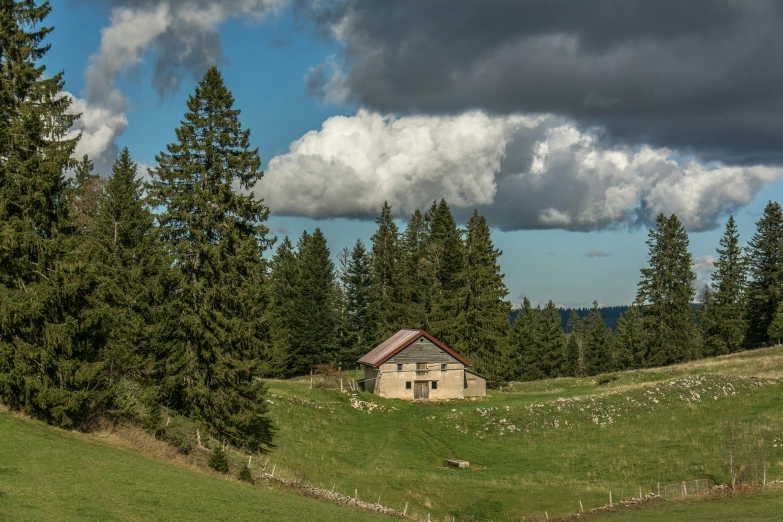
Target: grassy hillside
540, 446
50, 474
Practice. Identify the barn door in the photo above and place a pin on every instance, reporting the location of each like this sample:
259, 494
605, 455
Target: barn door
421, 390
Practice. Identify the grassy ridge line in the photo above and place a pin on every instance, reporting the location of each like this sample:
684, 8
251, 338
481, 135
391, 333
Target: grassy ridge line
51, 474
541, 446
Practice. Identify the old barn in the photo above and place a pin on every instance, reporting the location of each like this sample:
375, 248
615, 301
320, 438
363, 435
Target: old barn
414, 365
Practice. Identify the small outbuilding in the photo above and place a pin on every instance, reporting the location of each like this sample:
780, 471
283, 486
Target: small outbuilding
414, 365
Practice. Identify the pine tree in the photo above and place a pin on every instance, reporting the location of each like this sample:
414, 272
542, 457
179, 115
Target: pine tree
416, 287
48, 335
481, 331
571, 368
283, 283
525, 355
362, 326
314, 324
765, 268
712, 342
597, 358
577, 328
551, 340
387, 276
216, 235
85, 191
775, 330
446, 260
629, 339
666, 293
727, 313
135, 285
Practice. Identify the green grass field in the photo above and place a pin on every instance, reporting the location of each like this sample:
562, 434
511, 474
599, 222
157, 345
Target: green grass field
50, 474
533, 448
758, 506
538, 447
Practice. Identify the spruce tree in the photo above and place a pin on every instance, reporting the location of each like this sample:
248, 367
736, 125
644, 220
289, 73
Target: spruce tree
577, 328
387, 276
571, 368
85, 189
712, 342
214, 229
765, 268
416, 288
446, 260
314, 325
361, 324
727, 312
135, 286
775, 329
551, 341
481, 331
629, 340
597, 358
48, 335
666, 293
283, 283
525, 354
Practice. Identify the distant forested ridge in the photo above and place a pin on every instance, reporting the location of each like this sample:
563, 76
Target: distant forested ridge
610, 314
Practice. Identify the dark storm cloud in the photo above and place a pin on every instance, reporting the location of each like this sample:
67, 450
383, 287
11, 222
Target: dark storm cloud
700, 75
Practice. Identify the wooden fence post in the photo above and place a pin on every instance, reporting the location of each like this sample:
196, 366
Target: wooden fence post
659, 489
405, 511
581, 507
610, 499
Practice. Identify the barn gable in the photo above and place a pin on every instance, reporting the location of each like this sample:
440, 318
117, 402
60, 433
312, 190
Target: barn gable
407, 338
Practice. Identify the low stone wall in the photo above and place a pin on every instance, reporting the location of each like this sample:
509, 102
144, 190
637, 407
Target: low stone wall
331, 496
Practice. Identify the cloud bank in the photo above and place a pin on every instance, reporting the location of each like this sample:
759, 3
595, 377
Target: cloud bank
700, 76
521, 172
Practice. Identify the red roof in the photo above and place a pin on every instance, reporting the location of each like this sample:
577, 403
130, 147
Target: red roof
398, 342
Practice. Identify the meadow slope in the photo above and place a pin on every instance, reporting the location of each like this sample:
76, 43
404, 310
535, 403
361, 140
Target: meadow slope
50, 474
538, 447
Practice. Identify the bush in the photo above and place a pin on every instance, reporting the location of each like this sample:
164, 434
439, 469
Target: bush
245, 475
153, 420
219, 461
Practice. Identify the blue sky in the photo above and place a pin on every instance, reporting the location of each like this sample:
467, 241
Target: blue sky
265, 65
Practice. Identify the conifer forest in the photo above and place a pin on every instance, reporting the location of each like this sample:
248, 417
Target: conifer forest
167, 289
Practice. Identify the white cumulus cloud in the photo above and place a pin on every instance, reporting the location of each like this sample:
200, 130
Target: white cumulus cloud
522, 172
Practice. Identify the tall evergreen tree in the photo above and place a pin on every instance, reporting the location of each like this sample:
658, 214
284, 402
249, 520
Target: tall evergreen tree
314, 325
666, 293
387, 276
577, 328
629, 339
416, 286
525, 354
216, 236
135, 285
362, 325
283, 283
571, 368
765, 268
482, 329
48, 345
775, 329
85, 189
597, 359
727, 313
551, 340
445, 260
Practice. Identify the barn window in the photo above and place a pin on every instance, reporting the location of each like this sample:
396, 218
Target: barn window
399, 367
434, 385
443, 367
408, 385
421, 368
